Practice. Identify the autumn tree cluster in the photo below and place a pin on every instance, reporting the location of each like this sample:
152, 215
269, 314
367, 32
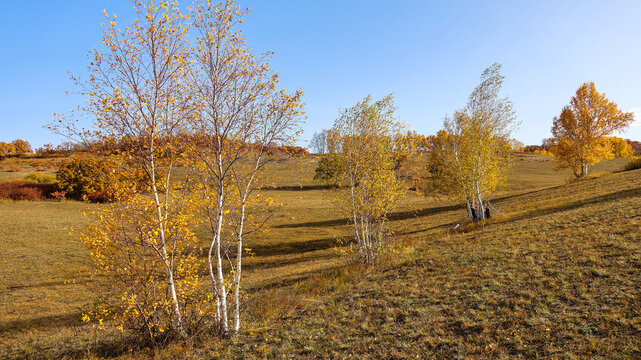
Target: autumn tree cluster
17, 147
365, 146
469, 158
200, 115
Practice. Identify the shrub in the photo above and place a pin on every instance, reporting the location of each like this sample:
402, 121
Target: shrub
15, 169
83, 175
101, 197
25, 193
41, 178
26, 190
59, 195
633, 164
327, 169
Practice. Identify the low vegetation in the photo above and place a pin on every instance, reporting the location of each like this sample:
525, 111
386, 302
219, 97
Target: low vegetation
27, 190
633, 164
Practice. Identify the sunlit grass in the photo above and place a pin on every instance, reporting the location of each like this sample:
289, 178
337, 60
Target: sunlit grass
552, 253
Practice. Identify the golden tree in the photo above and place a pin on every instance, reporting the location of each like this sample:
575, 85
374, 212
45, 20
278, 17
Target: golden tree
366, 144
579, 134
471, 156
620, 147
240, 114
22, 147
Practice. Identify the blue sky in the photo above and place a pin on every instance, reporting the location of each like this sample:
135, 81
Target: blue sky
430, 54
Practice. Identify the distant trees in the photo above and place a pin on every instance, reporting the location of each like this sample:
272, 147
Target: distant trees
620, 148
471, 155
635, 145
579, 133
364, 143
17, 147
319, 142
81, 176
22, 147
327, 169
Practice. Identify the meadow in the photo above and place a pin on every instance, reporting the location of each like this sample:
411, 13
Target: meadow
555, 273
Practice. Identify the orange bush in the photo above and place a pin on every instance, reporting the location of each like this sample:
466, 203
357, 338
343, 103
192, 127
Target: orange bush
26, 190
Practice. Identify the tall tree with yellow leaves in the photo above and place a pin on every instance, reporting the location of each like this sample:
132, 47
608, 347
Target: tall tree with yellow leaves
579, 134
138, 97
240, 114
472, 154
366, 143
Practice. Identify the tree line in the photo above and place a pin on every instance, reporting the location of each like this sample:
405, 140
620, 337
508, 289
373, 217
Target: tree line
468, 159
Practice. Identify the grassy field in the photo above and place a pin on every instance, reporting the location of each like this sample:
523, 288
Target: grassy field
555, 274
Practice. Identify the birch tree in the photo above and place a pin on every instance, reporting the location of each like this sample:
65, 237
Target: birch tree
319, 142
579, 133
137, 96
363, 141
240, 114
471, 157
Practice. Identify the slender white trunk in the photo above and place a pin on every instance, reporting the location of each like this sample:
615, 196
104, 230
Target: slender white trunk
239, 255
215, 249
354, 216
481, 210
469, 206
220, 278
171, 286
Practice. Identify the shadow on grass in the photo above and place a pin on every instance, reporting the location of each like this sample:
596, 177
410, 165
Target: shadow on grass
404, 215
290, 280
41, 323
113, 346
289, 248
301, 187
601, 199
400, 215
277, 263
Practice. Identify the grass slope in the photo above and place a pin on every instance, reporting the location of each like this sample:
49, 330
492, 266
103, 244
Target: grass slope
522, 285
559, 276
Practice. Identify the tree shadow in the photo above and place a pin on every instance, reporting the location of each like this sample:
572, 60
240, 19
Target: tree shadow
287, 281
614, 196
400, 215
289, 248
273, 264
301, 187
41, 323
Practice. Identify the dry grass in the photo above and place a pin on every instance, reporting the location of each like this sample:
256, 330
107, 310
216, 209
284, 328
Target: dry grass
519, 285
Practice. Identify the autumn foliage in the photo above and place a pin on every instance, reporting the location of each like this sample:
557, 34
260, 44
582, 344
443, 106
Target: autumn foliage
17, 147
190, 125
366, 148
470, 157
87, 176
580, 133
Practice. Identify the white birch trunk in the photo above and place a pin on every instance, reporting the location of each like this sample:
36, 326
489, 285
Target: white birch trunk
171, 286
239, 255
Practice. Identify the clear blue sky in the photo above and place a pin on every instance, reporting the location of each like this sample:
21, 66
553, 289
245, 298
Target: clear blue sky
430, 54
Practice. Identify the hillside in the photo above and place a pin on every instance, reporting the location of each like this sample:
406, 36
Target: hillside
556, 274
